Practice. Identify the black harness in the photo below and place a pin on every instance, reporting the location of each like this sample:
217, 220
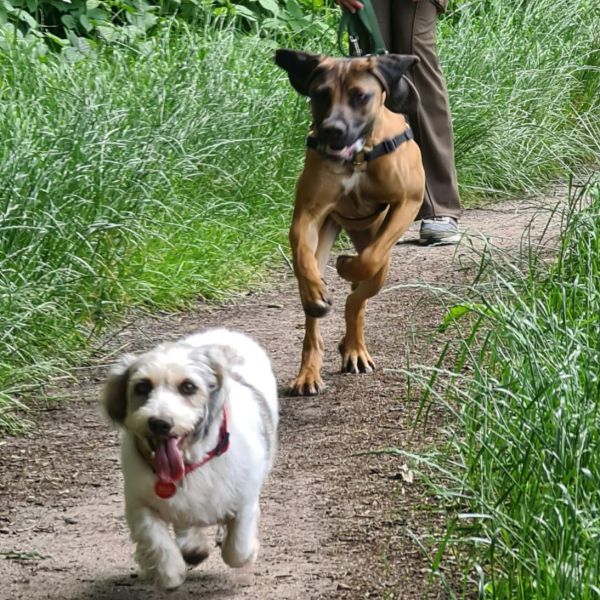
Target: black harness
386, 147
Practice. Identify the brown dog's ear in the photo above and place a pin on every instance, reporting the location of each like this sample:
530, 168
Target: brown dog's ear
401, 94
407, 97
300, 67
114, 395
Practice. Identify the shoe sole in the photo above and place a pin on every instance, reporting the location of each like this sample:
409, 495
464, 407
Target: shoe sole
433, 241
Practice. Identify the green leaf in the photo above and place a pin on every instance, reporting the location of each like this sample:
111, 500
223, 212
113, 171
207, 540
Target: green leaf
10, 9
27, 18
460, 310
57, 40
60, 6
245, 12
98, 14
270, 5
71, 54
294, 9
68, 21
82, 44
85, 23
32, 5
91, 4
108, 32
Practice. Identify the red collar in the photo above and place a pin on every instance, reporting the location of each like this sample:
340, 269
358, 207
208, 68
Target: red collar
167, 489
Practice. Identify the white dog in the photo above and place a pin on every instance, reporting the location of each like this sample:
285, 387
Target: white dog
199, 419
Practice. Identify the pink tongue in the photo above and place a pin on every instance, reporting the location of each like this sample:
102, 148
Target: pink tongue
168, 461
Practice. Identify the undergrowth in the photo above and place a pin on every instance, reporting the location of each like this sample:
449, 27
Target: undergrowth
520, 478
146, 179
154, 174
524, 83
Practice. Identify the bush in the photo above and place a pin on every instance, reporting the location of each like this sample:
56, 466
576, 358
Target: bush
74, 24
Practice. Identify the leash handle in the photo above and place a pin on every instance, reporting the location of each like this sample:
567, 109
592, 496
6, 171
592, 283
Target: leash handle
364, 35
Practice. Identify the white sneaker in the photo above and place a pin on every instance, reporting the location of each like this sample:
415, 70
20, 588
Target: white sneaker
439, 230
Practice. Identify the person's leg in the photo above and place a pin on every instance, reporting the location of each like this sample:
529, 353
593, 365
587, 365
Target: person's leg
413, 32
383, 11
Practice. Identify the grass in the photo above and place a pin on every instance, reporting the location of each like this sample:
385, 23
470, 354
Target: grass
524, 83
521, 477
136, 177
153, 175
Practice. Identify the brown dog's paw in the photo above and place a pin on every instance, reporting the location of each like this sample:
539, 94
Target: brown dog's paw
355, 360
315, 300
317, 309
306, 384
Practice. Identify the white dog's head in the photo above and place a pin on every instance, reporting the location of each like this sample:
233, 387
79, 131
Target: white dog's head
167, 398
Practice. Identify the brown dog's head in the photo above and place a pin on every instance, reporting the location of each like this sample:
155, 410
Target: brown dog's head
346, 93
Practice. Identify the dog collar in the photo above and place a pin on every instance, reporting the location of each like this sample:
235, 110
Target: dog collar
363, 155
167, 489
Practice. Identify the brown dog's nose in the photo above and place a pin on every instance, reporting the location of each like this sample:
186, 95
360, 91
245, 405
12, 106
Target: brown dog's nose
333, 132
159, 426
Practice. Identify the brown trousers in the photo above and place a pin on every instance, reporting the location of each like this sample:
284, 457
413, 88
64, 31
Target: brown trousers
408, 27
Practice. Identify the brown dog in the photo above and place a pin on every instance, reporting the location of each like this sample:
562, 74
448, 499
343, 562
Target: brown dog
362, 173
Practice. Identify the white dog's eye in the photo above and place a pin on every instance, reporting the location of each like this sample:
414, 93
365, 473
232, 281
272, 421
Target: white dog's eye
142, 388
187, 387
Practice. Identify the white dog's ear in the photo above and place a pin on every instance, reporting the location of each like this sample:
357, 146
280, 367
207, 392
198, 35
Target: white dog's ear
219, 361
114, 395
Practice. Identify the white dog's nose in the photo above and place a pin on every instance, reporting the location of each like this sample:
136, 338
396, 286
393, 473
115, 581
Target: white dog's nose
159, 426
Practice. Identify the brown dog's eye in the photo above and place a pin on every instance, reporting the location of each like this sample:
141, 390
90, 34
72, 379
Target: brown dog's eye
187, 388
142, 388
360, 98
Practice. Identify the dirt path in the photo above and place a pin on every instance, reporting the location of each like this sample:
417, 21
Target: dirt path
334, 525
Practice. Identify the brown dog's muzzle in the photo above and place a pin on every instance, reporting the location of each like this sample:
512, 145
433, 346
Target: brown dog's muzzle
334, 133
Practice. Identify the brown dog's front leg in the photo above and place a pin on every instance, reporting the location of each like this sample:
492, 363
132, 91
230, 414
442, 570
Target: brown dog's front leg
309, 382
306, 242
373, 257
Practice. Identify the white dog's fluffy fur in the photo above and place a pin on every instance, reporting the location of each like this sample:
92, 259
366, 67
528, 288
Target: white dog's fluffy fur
186, 384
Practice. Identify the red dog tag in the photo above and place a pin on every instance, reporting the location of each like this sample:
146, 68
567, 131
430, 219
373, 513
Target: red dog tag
165, 489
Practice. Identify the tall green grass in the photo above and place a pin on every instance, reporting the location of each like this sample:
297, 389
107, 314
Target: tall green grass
156, 174
147, 177
521, 477
524, 83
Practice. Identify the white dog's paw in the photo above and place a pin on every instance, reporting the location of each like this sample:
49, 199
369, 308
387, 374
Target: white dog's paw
220, 535
193, 544
236, 558
167, 571
254, 554
170, 575
170, 581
